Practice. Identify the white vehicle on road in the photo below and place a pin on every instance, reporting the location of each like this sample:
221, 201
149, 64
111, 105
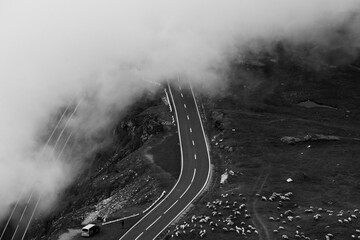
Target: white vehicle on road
89, 230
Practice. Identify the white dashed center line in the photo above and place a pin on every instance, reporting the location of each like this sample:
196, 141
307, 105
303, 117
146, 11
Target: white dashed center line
190, 130
169, 208
184, 105
187, 116
180, 87
153, 223
182, 95
193, 142
139, 236
193, 175
195, 156
189, 184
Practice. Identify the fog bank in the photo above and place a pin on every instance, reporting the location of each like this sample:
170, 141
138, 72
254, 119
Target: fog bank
55, 54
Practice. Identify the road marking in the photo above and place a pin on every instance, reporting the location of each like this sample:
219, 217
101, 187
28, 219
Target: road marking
195, 155
170, 207
139, 236
189, 184
190, 130
168, 99
193, 142
209, 168
181, 170
182, 95
54, 147
12, 213
153, 223
15, 232
21, 217
193, 175
120, 219
180, 87
150, 81
185, 190
184, 105
187, 116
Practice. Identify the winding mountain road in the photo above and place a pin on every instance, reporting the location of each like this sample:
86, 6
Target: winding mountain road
195, 168
194, 176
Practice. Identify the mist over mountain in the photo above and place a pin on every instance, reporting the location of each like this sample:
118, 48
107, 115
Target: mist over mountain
97, 54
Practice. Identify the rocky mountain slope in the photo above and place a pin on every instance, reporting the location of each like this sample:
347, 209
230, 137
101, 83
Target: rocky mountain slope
285, 143
124, 176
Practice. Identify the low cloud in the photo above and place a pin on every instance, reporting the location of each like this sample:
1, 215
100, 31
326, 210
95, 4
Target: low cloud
54, 54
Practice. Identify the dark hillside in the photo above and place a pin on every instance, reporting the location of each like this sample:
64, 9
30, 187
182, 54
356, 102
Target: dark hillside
286, 146
124, 176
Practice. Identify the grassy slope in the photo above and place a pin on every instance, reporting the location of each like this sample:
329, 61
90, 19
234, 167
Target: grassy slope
252, 119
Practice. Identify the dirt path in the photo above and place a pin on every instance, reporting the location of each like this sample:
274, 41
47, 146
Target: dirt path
257, 220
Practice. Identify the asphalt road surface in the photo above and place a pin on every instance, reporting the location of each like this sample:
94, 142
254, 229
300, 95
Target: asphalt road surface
194, 175
195, 170
14, 227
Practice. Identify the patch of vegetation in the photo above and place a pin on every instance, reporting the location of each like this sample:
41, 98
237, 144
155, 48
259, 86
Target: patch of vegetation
306, 189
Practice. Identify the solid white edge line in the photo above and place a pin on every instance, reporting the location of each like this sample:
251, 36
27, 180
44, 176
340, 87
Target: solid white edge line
120, 219
208, 176
42, 152
139, 236
150, 81
170, 207
182, 164
155, 202
21, 217
12, 213
154, 221
167, 97
40, 195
